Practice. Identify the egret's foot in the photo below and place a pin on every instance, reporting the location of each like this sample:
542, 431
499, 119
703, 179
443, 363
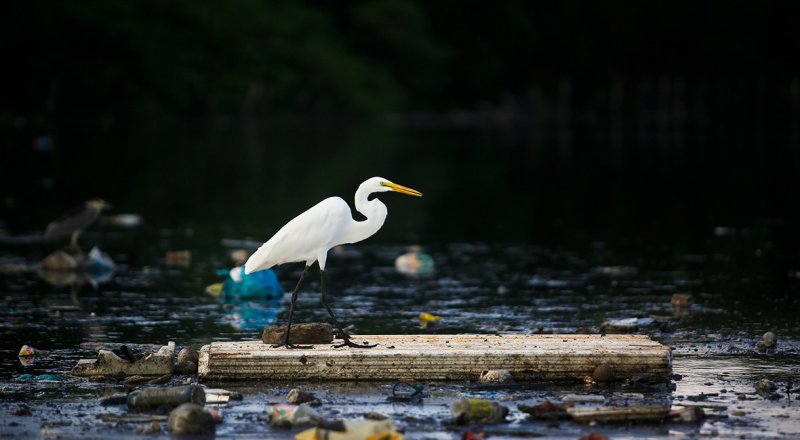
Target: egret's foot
349, 343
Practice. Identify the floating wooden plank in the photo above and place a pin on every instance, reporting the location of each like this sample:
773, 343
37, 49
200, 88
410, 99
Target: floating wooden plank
440, 357
609, 414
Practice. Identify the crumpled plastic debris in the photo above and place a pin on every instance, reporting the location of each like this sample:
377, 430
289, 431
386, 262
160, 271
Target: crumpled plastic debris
41, 378
27, 350
414, 263
261, 284
426, 319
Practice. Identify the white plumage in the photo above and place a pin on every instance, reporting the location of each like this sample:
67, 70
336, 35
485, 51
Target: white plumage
309, 236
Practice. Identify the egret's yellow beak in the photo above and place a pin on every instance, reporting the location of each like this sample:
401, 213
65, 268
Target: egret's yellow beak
402, 189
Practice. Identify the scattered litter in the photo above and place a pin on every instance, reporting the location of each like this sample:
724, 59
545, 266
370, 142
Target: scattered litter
219, 395
22, 411
132, 418
41, 378
688, 414
27, 351
496, 377
166, 397
109, 364
297, 397
186, 362
606, 414
426, 319
681, 300
179, 258
260, 284
153, 428
114, 400
405, 392
547, 410
765, 387
625, 325
98, 262
584, 398
126, 220
285, 415
466, 411
768, 341
617, 271
354, 430
414, 263
375, 416
191, 419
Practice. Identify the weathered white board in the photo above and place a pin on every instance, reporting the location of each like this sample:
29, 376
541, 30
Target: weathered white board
440, 357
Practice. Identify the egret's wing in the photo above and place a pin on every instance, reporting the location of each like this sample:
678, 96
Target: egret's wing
304, 236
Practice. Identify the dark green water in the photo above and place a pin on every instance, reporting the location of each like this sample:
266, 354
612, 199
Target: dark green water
529, 231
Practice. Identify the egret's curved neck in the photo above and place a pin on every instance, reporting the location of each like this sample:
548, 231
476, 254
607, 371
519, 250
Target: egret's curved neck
374, 210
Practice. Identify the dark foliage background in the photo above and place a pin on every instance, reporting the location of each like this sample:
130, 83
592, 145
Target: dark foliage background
555, 116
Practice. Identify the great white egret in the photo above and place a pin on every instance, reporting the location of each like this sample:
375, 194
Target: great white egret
309, 236
75, 221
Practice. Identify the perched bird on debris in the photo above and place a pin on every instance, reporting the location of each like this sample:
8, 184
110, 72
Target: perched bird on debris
76, 221
309, 236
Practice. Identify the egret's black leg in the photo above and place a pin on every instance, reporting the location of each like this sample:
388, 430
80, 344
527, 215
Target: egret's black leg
296, 290
347, 341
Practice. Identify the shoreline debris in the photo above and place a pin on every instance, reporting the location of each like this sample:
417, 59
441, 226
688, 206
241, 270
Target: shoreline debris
109, 364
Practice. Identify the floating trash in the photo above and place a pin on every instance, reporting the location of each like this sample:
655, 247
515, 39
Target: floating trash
191, 419
126, 220
426, 319
466, 411
169, 397
285, 415
41, 378
547, 410
354, 430
608, 414
414, 263
27, 351
178, 258
297, 396
98, 262
768, 341
261, 284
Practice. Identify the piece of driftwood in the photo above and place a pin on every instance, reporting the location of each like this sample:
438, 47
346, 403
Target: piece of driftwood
305, 333
612, 414
440, 357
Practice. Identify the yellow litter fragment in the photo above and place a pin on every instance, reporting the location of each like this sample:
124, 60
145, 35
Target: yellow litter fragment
214, 290
426, 319
355, 430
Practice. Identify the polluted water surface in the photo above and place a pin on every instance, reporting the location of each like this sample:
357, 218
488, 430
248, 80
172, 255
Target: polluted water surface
702, 305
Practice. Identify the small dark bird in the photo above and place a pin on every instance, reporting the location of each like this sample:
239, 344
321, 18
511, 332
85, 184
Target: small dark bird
76, 221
